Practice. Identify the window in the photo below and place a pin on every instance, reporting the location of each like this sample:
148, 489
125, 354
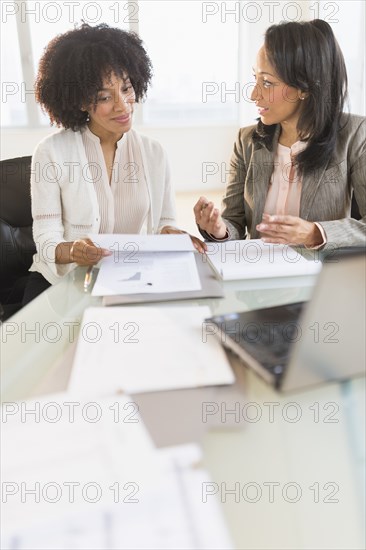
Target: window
194, 64
342, 16
202, 52
39, 23
13, 108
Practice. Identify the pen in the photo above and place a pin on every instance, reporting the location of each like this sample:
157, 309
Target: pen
88, 278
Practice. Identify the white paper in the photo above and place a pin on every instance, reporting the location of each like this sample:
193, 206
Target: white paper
142, 349
254, 259
170, 514
173, 514
143, 243
69, 452
147, 273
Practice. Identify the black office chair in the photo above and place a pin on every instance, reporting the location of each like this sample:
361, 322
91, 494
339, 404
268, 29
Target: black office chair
17, 245
355, 213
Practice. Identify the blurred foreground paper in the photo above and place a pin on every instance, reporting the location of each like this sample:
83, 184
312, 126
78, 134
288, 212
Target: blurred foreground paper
153, 502
60, 455
142, 349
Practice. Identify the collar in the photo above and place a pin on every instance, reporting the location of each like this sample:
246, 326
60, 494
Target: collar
93, 137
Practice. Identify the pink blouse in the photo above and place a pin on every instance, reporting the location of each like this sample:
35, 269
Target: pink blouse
285, 186
284, 192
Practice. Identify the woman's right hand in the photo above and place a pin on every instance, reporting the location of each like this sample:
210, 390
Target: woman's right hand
81, 252
209, 218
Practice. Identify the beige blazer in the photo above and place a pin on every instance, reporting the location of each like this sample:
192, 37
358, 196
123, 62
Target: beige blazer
326, 193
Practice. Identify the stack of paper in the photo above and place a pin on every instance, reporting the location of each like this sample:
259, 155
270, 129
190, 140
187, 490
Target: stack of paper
146, 264
79, 474
142, 349
254, 259
61, 456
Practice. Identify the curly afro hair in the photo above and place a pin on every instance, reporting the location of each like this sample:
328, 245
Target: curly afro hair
74, 65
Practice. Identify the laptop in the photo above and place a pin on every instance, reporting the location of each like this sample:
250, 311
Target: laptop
303, 344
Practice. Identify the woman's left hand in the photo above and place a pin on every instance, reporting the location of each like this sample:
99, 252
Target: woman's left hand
289, 230
197, 243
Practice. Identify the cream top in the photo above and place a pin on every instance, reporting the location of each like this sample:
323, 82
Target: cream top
124, 201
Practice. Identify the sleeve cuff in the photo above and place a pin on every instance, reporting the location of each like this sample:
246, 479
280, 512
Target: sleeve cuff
321, 229
211, 237
225, 238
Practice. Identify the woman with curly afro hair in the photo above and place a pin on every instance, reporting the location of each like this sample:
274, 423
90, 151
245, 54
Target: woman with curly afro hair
96, 175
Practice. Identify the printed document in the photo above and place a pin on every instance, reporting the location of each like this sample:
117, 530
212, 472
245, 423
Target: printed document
146, 264
254, 259
143, 243
147, 273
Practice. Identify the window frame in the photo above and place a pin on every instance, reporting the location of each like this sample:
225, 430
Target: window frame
245, 47
27, 68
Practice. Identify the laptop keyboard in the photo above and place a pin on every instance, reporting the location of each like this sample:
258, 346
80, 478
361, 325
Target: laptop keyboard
266, 334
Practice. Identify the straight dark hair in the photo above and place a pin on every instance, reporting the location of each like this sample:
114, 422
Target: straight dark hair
306, 55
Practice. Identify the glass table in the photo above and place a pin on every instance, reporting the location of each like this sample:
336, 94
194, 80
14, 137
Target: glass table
289, 469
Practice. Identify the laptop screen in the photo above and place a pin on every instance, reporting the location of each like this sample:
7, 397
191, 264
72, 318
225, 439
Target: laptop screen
333, 325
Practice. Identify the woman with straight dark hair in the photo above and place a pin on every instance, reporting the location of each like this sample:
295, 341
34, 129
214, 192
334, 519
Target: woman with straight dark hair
292, 175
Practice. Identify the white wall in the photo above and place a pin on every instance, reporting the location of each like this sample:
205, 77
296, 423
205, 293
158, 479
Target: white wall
191, 151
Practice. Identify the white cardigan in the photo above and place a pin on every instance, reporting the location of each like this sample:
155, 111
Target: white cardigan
64, 200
